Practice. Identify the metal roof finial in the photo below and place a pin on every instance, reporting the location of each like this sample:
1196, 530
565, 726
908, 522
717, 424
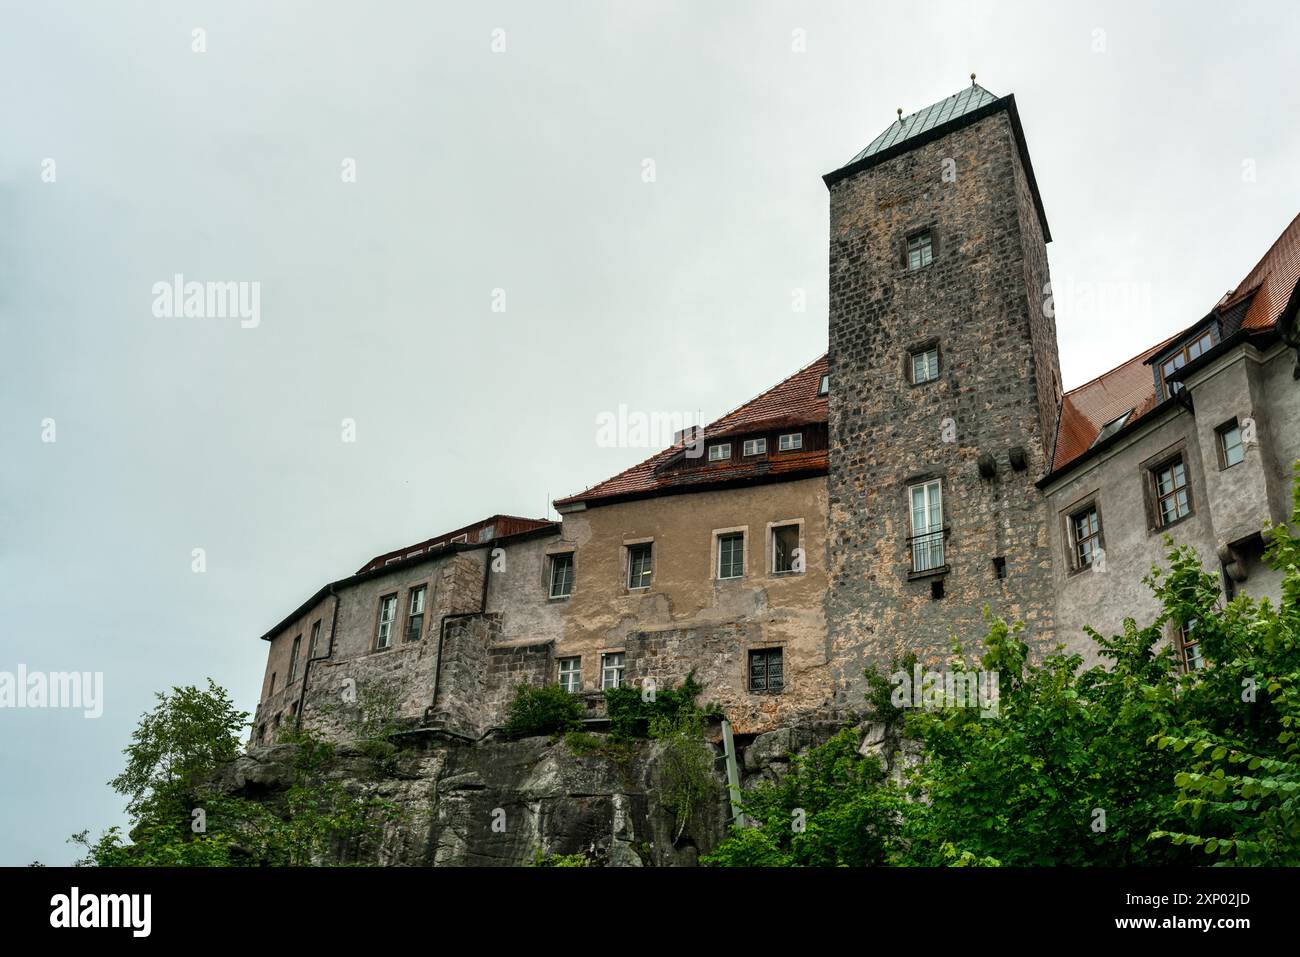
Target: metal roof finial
972, 79
900, 114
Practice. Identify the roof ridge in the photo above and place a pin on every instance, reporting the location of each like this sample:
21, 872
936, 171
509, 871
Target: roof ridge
802, 369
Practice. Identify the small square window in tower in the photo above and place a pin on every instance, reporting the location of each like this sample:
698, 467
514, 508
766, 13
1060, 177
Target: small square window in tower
925, 365
639, 565
767, 670
920, 250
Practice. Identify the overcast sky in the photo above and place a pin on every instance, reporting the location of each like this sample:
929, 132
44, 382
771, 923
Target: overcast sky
1166, 146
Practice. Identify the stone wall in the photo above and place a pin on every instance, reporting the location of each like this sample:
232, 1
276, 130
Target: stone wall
980, 301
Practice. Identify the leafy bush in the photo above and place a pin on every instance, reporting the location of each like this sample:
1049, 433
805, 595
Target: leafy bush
631, 712
543, 710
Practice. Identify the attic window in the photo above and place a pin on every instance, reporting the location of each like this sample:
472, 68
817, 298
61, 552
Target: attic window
1188, 351
460, 538
790, 441
1111, 427
755, 446
824, 388
718, 453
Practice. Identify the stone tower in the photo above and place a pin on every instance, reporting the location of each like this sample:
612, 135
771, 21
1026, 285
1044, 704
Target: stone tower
944, 390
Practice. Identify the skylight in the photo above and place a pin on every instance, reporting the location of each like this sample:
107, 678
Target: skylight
1111, 427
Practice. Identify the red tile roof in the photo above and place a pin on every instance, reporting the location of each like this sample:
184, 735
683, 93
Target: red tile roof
791, 403
1086, 409
497, 526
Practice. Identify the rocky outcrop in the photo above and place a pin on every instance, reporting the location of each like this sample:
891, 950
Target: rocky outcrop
503, 802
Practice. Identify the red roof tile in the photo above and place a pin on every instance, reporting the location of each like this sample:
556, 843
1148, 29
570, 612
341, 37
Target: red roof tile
496, 526
791, 403
1086, 409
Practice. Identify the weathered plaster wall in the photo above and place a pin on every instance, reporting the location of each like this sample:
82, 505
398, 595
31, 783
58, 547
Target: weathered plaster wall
691, 617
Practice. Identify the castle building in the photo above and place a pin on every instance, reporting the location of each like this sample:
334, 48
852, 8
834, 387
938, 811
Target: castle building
872, 504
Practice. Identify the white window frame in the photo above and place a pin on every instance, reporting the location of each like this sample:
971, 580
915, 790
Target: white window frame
384, 638
609, 666
571, 676
550, 590
460, 539
630, 547
754, 447
718, 536
720, 452
789, 442
772, 529
415, 592
924, 553
924, 251
929, 365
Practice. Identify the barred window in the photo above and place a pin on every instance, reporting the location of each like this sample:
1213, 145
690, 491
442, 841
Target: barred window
767, 670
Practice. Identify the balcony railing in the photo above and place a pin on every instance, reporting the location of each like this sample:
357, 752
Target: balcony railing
927, 550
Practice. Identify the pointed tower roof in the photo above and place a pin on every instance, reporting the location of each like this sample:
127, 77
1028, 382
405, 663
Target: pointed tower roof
937, 120
958, 105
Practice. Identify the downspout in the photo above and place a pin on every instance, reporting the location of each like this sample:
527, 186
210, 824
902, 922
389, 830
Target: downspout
442, 627
306, 671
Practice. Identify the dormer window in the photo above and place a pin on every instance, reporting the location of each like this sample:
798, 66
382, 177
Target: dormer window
920, 250
790, 441
720, 452
754, 446
1188, 351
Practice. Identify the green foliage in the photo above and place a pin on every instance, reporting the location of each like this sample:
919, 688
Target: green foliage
1133, 763
180, 820
632, 712
546, 710
688, 764
833, 808
559, 860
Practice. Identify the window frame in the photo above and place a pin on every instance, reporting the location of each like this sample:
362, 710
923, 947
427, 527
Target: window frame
647, 572
824, 385
773, 527
715, 447
923, 352
550, 578
767, 654
575, 673
294, 651
1170, 464
923, 252
794, 446
1182, 645
313, 643
728, 533
1182, 356
384, 639
759, 446
421, 589
931, 530
619, 669
1072, 514
1221, 445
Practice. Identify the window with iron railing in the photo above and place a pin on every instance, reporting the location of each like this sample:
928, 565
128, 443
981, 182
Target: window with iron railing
927, 538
